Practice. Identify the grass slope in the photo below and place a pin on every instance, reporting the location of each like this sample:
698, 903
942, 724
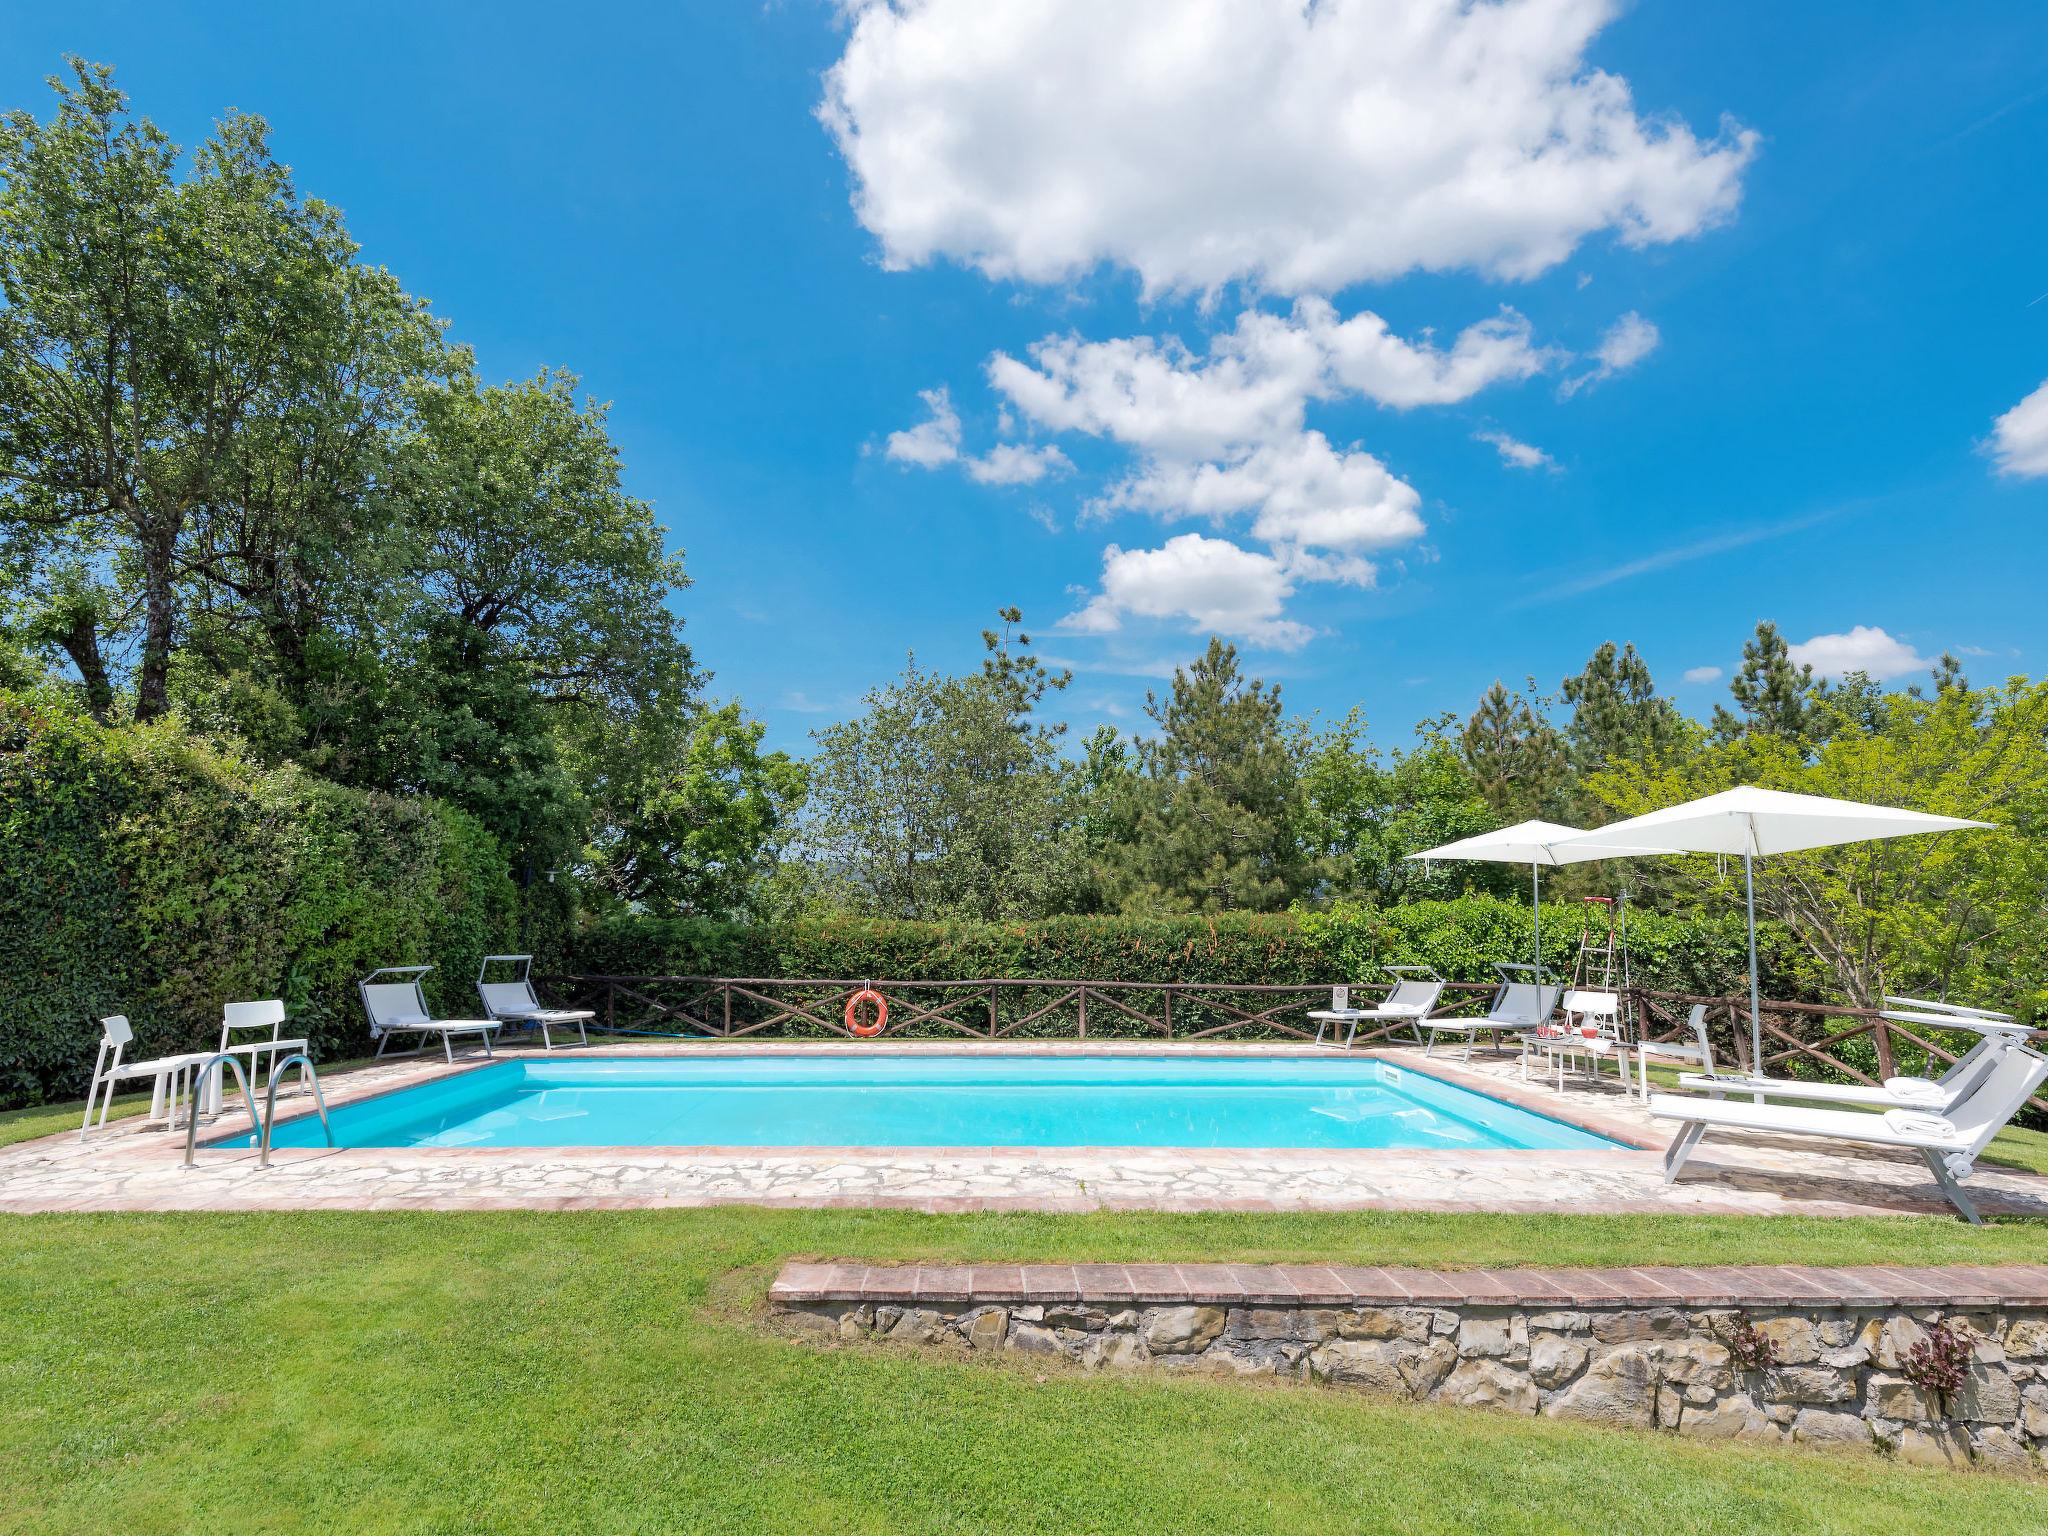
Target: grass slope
596, 1372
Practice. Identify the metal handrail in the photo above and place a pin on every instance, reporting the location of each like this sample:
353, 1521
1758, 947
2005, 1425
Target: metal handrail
311, 1079
199, 1082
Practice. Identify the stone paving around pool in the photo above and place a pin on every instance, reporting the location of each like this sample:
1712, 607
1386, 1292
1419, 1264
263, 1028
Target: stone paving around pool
130, 1167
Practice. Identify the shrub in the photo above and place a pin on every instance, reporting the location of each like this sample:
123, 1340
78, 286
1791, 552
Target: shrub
153, 874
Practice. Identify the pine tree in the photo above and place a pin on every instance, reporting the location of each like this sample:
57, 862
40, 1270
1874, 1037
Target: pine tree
1217, 833
1516, 756
1775, 696
1616, 712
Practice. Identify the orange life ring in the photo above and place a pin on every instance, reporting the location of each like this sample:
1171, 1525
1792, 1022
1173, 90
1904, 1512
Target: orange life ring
867, 995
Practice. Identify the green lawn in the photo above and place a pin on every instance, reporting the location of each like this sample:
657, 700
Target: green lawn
602, 1372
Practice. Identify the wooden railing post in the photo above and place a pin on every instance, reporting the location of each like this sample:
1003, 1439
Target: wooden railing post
1169, 1011
1882, 1035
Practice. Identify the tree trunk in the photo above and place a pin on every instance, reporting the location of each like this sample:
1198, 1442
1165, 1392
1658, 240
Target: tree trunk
159, 607
81, 641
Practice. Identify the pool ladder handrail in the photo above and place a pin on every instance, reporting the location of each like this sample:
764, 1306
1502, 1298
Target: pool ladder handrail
308, 1076
260, 1126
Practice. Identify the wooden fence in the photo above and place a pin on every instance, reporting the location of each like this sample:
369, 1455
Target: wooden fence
1800, 1039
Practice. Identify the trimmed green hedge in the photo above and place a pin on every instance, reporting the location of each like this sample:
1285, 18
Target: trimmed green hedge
1461, 938
153, 874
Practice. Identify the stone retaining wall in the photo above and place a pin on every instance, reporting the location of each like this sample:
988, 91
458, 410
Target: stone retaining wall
1596, 1348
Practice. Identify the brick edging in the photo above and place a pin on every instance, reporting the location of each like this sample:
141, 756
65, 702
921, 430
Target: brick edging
2018, 1285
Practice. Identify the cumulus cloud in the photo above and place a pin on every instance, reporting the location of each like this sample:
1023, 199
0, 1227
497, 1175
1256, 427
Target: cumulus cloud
1865, 648
1209, 586
1627, 342
1515, 453
1299, 147
2019, 438
1255, 381
1701, 674
1304, 493
1017, 464
933, 441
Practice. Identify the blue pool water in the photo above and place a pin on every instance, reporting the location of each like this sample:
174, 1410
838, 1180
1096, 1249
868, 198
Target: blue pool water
900, 1100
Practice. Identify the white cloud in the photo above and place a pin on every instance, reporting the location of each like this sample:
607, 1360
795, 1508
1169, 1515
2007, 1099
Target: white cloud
1256, 380
1017, 464
2019, 438
933, 441
1304, 493
1515, 453
1627, 342
1208, 586
1865, 648
1701, 674
1300, 147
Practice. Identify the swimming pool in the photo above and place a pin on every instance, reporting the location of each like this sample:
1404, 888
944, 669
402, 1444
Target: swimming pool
903, 1100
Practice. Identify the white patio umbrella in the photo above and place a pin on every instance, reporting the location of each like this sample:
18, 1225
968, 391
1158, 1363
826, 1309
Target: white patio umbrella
1534, 843
1755, 822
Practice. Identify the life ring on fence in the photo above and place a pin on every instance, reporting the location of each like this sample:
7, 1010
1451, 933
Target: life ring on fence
867, 995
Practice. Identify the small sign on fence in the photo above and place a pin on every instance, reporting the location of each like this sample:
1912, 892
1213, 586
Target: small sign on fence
1340, 999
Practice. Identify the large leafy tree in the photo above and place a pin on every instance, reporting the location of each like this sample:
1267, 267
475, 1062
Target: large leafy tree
1962, 914
148, 322
1217, 827
946, 797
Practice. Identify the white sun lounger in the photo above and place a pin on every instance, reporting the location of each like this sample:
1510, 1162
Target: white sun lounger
1937, 1095
1522, 1002
1950, 1143
513, 1002
399, 1007
1416, 989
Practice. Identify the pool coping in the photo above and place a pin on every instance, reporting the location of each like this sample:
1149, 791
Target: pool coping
1629, 1138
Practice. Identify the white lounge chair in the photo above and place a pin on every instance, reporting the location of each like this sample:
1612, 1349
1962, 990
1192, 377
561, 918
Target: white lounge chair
513, 1001
400, 1008
1415, 991
1950, 1143
1936, 1095
1522, 1002
165, 1072
1589, 1035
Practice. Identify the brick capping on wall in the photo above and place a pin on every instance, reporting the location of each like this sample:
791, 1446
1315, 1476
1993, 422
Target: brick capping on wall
1872, 1286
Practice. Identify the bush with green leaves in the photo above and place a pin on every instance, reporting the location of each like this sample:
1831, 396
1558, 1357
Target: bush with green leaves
154, 874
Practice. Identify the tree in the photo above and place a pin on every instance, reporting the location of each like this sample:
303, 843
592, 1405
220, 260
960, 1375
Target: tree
944, 798
704, 831
147, 321
1216, 832
1961, 914
1617, 712
1516, 757
1361, 814
1772, 693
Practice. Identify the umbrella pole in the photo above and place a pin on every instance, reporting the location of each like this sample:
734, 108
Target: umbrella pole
1756, 1013
1536, 911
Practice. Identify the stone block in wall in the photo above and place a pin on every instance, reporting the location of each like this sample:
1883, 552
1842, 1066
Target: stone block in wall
1488, 1383
1630, 1327
1796, 1341
1555, 1359
1618, 1388
2027, 1338
1808, 1384
1180, 1330
1989, 1396
1393, 1366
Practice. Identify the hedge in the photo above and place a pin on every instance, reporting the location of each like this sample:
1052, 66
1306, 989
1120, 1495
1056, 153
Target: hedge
154, 874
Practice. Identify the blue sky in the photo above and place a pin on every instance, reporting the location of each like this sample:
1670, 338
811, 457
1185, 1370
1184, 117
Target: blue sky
1810, 243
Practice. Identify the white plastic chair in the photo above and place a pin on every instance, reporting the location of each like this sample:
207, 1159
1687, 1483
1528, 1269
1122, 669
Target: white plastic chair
108, 1069
267, 1014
